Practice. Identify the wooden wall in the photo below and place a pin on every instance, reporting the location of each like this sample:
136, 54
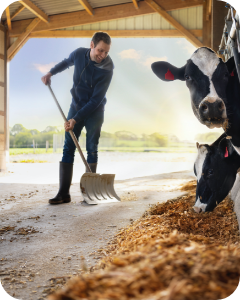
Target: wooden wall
3, 101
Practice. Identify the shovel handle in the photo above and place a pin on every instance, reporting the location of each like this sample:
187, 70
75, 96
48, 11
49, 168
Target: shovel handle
70, 131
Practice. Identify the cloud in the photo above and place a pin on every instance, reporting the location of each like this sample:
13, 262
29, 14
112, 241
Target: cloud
186, 45
130, 54
44, 68
151, 59
140, 58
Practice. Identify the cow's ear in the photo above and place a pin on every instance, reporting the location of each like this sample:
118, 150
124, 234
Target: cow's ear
167, 72
230, 65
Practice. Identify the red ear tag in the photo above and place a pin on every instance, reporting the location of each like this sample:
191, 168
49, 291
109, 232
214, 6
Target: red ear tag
226, 153
232, 74
169, 75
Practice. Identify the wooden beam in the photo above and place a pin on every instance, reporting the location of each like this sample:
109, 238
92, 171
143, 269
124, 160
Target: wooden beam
208, 9
2, 56
178, 4
188, 35
2, 84
87, 7
2, 113
21, 39
17, 50
113, 33
34, 9
21, 8
135, 3
8, 18
100, 14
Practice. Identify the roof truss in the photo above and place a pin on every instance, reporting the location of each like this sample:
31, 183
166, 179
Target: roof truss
22, 38
33, 8
135, 3
113, 33
87, 6
188, 35
34, 28
8, 18
21, 8
100, 14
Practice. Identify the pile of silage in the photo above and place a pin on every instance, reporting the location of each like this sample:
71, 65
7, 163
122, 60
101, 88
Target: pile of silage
170, 253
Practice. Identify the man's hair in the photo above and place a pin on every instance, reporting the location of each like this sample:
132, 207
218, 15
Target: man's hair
101, 36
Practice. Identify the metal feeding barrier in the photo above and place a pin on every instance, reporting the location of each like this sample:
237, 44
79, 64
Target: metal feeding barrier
230, 45
95, 188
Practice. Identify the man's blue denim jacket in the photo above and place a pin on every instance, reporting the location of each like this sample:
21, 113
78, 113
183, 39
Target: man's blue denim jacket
90, 81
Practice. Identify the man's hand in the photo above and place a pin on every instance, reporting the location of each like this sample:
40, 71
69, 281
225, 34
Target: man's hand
69, 125
47, 78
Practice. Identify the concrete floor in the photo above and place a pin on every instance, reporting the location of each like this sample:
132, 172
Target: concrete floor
51, 241
45, 244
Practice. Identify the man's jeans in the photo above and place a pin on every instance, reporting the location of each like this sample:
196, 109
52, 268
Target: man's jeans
93, 126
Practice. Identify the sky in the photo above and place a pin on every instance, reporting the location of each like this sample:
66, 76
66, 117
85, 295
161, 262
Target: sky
137, 100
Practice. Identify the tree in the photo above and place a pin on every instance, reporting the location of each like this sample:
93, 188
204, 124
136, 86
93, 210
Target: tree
23, 139
51, 128
17, 128
126, 135
105, 134
34, 131
208, 137
160, 139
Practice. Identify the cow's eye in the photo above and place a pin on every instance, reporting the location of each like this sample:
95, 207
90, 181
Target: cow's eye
210, 173
187, 77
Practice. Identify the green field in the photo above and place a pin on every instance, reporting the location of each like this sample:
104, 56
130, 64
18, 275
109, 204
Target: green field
18, 151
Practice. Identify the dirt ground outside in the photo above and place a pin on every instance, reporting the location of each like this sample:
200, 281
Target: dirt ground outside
43, 245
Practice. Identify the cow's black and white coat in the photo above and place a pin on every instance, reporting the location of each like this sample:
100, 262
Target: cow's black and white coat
215, 98
214, 90
216, 168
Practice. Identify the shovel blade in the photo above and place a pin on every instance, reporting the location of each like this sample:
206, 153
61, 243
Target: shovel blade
96, 188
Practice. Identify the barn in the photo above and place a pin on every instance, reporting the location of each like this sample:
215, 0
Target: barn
204, 23
199, 21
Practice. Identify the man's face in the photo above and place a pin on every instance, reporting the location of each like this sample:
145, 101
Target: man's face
99, 52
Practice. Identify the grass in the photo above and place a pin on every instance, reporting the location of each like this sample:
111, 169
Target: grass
18, 151
181, 149
31, 161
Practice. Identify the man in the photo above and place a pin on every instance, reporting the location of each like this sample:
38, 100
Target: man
92, 76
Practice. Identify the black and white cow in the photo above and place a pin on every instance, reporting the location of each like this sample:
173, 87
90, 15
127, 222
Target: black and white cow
216, 169
214, 89
215, 98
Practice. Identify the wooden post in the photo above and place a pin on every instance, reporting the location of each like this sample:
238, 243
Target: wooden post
219, 12
4, 140
207, 16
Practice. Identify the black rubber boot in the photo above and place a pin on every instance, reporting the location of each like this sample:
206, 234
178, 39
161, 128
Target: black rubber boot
65, 179
93, 168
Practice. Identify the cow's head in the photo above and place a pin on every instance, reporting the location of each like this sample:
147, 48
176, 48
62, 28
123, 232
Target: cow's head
216, 168
206, 76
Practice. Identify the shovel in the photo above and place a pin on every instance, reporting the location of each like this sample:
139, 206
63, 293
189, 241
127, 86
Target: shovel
95, 188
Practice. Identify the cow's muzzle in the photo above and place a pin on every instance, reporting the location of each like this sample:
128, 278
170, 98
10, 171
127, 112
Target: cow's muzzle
212, 112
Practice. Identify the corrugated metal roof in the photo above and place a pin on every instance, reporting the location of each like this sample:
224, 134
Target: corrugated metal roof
190, 18
53, 7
